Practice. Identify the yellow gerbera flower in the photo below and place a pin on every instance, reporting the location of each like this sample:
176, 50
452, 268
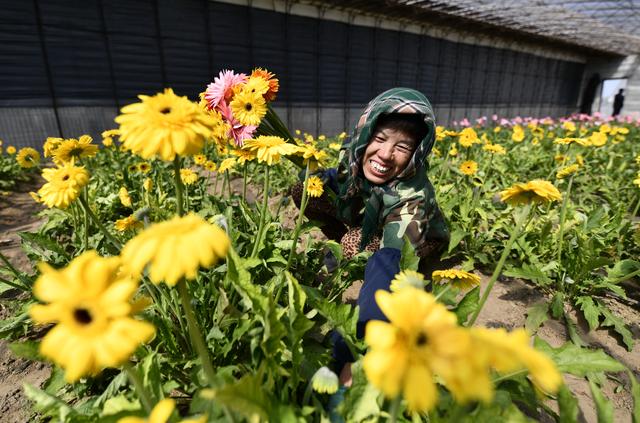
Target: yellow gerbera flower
126, 223
188, 176
313, 156
63, 185
147, 184
199, 159
637, 180
469, 167
335, 146
211, 166
270, 148
144, 167
508, 352
248, 107
421, 340
566, 171
569, 126
50, 146
227, 164
342, 135
255, 85
124, 196
11, 150
315, 186
89, 301
537, 191
133, 168
458, 278
161, 414
567, 141
243, 155
28, 157
598, 139
468, 137
518, 134
494, 148
453, 151
164, 125
175, 249
407, 279
73, 149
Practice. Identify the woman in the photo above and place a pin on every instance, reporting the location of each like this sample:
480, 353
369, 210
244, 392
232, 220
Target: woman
384, 197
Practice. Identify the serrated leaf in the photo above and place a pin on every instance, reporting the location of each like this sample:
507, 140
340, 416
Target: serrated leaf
536, 316
611, 320
590, 311
621, 269
246, 397
557, 305
572, 331
604, 408
567, 405
467, 305
456, 236
528, 272
408, 258
578, 361
635, 392
48, 404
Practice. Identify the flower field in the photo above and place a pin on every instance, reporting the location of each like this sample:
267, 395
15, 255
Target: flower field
169, 282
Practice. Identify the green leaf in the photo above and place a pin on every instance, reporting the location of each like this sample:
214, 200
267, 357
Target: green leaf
467, 305
55, 382
48, 404
408, 259
246, 397
621, 269
590, 311
568, 406
572, 330
151, 378
536, 315
45, 243
635, 392
529, 272
456, 236
557, 305
610, 320
26, 349
578, 361
118, 404
604, 408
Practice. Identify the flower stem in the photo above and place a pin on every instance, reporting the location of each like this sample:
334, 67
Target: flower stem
514, 235
178, 183
303, 205
563, 215
244, 182
85, 224
139, 386
263, 214
634, 213
194, 331
99, 224
394, 409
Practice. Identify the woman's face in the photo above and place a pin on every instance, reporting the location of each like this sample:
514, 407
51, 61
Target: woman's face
387, 154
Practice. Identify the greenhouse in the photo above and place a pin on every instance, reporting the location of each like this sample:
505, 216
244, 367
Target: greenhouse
320, 211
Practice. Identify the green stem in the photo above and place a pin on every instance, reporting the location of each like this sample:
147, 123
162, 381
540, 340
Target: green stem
85, 223
99, 224
178, 183
626, 277
444, 165
194, 332
139, 386
395, 409
563, 215
634, 213
215, 184
244, 183
17, 274
228, 178
263, 214
514, 235
303, 205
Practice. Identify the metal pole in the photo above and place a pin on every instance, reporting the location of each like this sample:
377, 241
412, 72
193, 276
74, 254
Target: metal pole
47, 68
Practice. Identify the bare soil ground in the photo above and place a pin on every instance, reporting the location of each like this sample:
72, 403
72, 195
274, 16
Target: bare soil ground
17, 214
507, 307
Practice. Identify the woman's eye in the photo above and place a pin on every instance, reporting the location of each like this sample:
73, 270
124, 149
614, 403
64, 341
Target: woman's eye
404, 147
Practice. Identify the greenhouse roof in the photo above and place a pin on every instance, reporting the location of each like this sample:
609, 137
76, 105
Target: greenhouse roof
611, 27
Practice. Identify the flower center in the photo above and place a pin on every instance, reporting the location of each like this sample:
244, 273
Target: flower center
65, 177
82, 316
248, 107
75, 152
421, 339
165, 110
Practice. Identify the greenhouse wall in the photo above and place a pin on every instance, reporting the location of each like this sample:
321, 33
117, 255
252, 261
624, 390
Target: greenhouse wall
70, 65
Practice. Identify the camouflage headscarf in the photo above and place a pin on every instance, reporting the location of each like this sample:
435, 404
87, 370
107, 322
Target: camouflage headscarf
405, 205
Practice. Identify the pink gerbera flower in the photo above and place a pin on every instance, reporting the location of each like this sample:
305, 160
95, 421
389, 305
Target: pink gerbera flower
221, 89
237, 131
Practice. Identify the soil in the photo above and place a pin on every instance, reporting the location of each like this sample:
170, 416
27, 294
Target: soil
506, 307
17, 214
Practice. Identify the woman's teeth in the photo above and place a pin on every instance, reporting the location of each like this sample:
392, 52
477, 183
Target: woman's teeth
379, 167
